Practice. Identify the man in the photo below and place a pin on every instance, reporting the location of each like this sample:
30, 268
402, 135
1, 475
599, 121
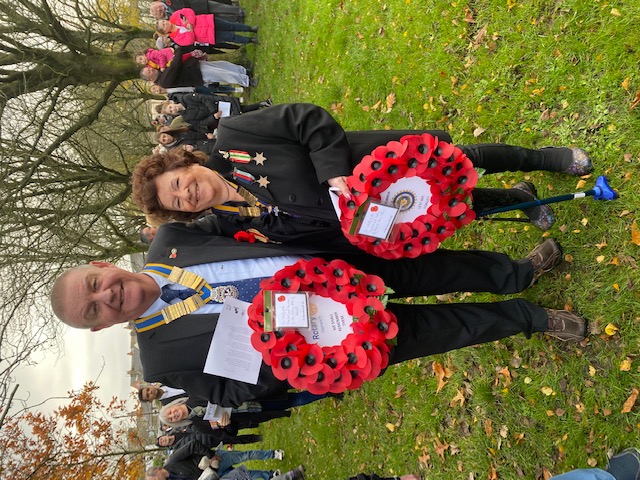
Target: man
163, 393
100, 295
163, 9
147, 234
212, 440
183, 463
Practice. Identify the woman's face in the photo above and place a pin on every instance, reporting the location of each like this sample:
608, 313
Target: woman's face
190, 189
174, 108
177, 413
164, 26
166, 139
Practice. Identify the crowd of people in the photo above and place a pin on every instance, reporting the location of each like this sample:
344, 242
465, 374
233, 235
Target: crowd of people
222, 168
180, 66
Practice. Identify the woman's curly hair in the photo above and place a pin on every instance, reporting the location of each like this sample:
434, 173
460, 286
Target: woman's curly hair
143, 180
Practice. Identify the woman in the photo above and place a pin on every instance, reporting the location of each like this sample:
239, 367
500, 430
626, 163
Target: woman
288, 153
184, 411
186, 28
172, 137
202, 112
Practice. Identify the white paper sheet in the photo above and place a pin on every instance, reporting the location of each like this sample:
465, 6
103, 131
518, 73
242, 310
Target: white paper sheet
231, 354
225, 108
214, 412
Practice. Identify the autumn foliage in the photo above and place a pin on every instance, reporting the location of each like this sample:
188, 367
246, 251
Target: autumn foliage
84, 439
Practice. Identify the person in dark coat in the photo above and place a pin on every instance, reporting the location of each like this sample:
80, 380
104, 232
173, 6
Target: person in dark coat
182, 463
161, 9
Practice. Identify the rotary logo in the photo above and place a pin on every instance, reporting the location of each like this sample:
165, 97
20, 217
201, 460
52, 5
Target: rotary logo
404, 200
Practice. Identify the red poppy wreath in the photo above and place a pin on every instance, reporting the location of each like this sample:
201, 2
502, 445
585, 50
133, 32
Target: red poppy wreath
297, 357
428, 180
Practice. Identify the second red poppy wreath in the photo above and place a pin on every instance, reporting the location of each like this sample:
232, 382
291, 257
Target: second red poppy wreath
428, 180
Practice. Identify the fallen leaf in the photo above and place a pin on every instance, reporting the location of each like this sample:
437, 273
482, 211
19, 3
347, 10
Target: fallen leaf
581, 184
625, 365
391, 427
611, 329
584, 222
592, 371
606, 412
391, 100
459, 398
636, 101
614, 261
478, 131
440, 448
400, 391
616, 287
600, 258
592, 462
635, 234
625, 83
337, 107
424, 458
488, 428
615, 12
547, 391
599, 246
504, 431
442, 373
579, 407
630, 402
493, 475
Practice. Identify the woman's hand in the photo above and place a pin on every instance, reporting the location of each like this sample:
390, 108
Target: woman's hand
211, 136
214, 425
224, 420
217, 115
341, 184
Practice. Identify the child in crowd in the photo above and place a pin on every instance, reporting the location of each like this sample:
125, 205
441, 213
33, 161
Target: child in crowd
187, 28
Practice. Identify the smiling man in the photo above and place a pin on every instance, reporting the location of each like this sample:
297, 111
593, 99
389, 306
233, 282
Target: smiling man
100, 295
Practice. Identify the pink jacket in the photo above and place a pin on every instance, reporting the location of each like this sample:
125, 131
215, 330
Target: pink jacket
203, 28
159, 58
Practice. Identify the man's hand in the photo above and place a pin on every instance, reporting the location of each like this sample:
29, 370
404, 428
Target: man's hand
340, 183
409, 476
217, 115
188, 148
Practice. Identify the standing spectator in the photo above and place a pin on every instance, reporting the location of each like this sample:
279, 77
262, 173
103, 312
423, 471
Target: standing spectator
187, 28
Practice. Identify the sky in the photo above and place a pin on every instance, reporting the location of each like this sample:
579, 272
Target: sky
100, 357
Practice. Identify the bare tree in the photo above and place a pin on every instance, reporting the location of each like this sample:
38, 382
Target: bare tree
73, 122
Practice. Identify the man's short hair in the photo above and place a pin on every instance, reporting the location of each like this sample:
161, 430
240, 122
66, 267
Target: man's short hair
152, 471
56, 296
144, 235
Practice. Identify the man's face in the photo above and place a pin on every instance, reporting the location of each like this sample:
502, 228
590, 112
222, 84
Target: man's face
101, 295
150, 73
166, 440
150, 393
150, 232
157, 10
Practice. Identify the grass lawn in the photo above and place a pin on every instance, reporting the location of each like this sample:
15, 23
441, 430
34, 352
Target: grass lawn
531, 73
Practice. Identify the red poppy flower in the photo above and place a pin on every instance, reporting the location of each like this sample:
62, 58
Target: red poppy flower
387, 323
286, 367
299, 381
322, 380
371, 285
464, 219
369, 330
342, 381
263, 341
335, 357
287, 280
316, 270
454, 205
339, 271
356, 379
291, 341
375, 361
245, 237
444, 151
311, 358
363, 309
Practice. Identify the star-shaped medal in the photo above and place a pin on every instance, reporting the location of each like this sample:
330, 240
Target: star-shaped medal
259, 158
263, 181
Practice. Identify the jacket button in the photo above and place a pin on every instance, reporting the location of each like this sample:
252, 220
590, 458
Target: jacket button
320, 201
292, 198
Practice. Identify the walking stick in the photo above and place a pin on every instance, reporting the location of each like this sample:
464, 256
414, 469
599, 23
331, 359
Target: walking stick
601, 191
